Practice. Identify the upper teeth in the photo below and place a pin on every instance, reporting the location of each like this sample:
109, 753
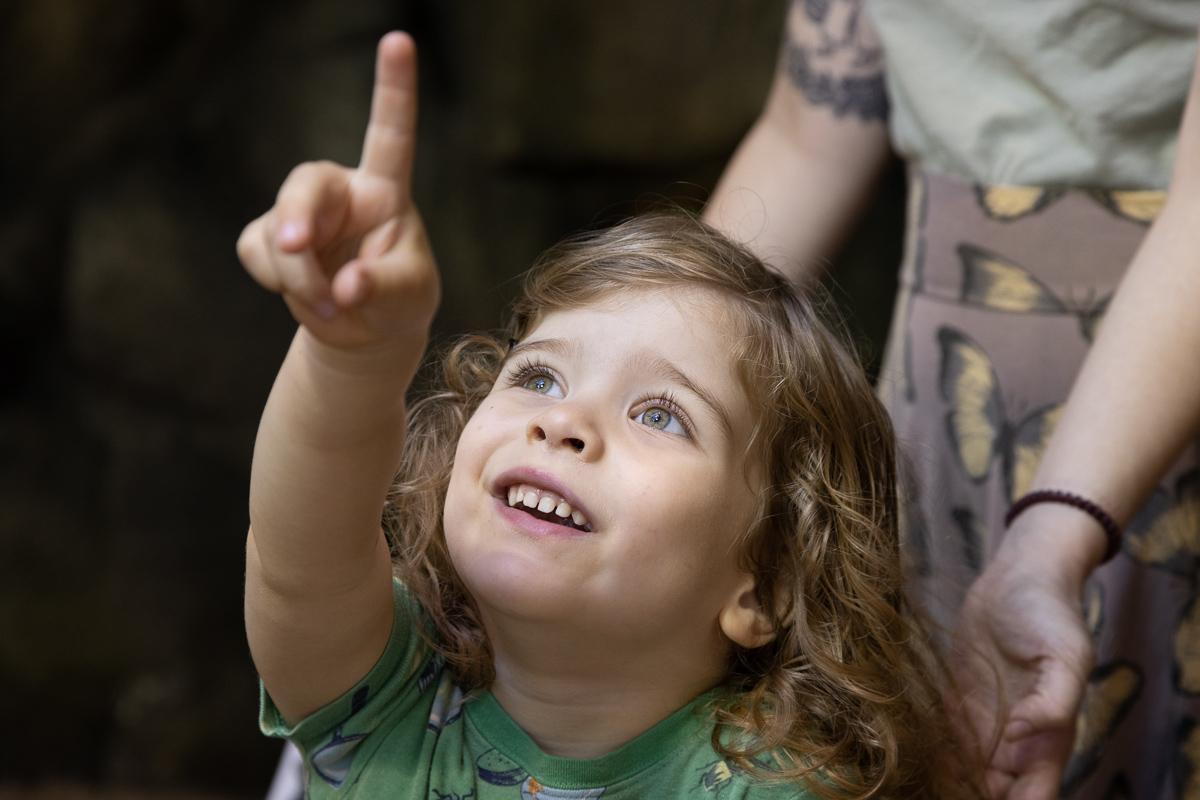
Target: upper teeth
544, 501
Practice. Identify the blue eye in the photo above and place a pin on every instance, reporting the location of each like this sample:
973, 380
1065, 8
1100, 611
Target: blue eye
542, 384
661, 419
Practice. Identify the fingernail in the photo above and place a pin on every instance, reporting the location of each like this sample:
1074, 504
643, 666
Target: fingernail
325, 309
291, 232
356, 287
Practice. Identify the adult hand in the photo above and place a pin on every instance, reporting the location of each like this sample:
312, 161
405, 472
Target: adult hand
346, 247
1024, 653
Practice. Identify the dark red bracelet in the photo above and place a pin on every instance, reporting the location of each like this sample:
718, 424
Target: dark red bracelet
1112, 532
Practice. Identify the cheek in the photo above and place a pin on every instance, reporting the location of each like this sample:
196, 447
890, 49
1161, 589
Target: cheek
695, 526
466, 472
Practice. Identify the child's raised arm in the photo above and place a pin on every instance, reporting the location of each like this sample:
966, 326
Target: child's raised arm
347, 250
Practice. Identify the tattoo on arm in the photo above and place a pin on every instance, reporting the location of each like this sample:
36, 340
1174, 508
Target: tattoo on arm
837, 62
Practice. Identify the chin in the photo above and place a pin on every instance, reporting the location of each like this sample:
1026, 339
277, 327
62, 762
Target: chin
506, 579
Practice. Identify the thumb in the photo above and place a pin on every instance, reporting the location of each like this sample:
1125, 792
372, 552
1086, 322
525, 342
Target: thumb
1053, 701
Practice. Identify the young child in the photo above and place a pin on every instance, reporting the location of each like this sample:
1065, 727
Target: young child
644, 548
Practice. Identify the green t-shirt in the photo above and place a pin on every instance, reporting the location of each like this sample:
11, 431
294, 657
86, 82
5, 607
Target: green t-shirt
406, 731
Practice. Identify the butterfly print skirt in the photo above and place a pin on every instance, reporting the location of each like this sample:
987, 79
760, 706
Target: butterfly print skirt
1003, 289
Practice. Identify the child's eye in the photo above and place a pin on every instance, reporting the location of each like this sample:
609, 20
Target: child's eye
663, 417
542, 384
537, 378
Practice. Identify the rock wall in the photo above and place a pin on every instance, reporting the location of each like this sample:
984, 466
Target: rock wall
138, 138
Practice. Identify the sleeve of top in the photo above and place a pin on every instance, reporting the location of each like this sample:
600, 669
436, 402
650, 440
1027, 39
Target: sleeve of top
341, 733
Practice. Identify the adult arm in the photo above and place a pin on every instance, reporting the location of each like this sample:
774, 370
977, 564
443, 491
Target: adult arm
804, 172
346, 249
1133, 408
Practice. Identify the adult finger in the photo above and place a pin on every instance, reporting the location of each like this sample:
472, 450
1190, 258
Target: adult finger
1053, 702
310, 206
1040, 783
392, 128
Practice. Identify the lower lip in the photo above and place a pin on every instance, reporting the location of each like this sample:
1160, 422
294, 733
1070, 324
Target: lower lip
533, 526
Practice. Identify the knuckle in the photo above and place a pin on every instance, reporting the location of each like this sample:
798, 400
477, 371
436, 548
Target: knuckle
243, 246
305, 182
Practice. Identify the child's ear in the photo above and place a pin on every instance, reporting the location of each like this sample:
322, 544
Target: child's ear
742, 620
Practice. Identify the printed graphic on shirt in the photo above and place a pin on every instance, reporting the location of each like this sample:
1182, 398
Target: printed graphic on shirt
976, 423
1111, 691
997, 283
1008, 203
531, 789
447, 706
332, 760
715, 777
495, 768
433, 668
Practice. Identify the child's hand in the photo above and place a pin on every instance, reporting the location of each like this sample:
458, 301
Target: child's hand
346, 247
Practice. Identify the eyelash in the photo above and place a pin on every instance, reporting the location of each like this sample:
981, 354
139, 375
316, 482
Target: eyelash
522, 371
666, 399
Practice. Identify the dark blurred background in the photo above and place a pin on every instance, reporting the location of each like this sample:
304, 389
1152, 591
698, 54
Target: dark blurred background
138, 137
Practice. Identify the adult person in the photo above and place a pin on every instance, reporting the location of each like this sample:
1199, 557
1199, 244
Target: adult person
1037, 157
1113, 440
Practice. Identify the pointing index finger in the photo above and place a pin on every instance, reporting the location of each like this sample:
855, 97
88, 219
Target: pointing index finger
392, 128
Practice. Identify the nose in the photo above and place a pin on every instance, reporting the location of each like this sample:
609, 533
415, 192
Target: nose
568, 425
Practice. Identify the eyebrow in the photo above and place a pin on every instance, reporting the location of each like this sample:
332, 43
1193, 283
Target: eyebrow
646, 360
558, 347
661, 366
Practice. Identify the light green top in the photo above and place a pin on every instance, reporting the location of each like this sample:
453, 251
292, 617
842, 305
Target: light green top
405, 731
1054, 92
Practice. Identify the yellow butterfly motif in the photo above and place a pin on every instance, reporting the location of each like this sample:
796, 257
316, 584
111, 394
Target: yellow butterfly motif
1111, 691
997, 283
976, 423
1165, 534
1138, 205
1010, 202
1187, 650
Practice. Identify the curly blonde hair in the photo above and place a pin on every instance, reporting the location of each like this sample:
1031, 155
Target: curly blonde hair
847, 698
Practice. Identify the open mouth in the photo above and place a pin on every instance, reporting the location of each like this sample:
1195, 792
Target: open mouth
548, 506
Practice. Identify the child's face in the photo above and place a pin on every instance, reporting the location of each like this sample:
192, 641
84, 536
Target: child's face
628, 417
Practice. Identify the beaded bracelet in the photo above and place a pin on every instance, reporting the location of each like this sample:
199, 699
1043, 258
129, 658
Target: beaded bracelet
1112, 532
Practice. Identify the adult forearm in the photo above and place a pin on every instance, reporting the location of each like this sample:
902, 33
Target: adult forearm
1136, 402
794, 206
797, 183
